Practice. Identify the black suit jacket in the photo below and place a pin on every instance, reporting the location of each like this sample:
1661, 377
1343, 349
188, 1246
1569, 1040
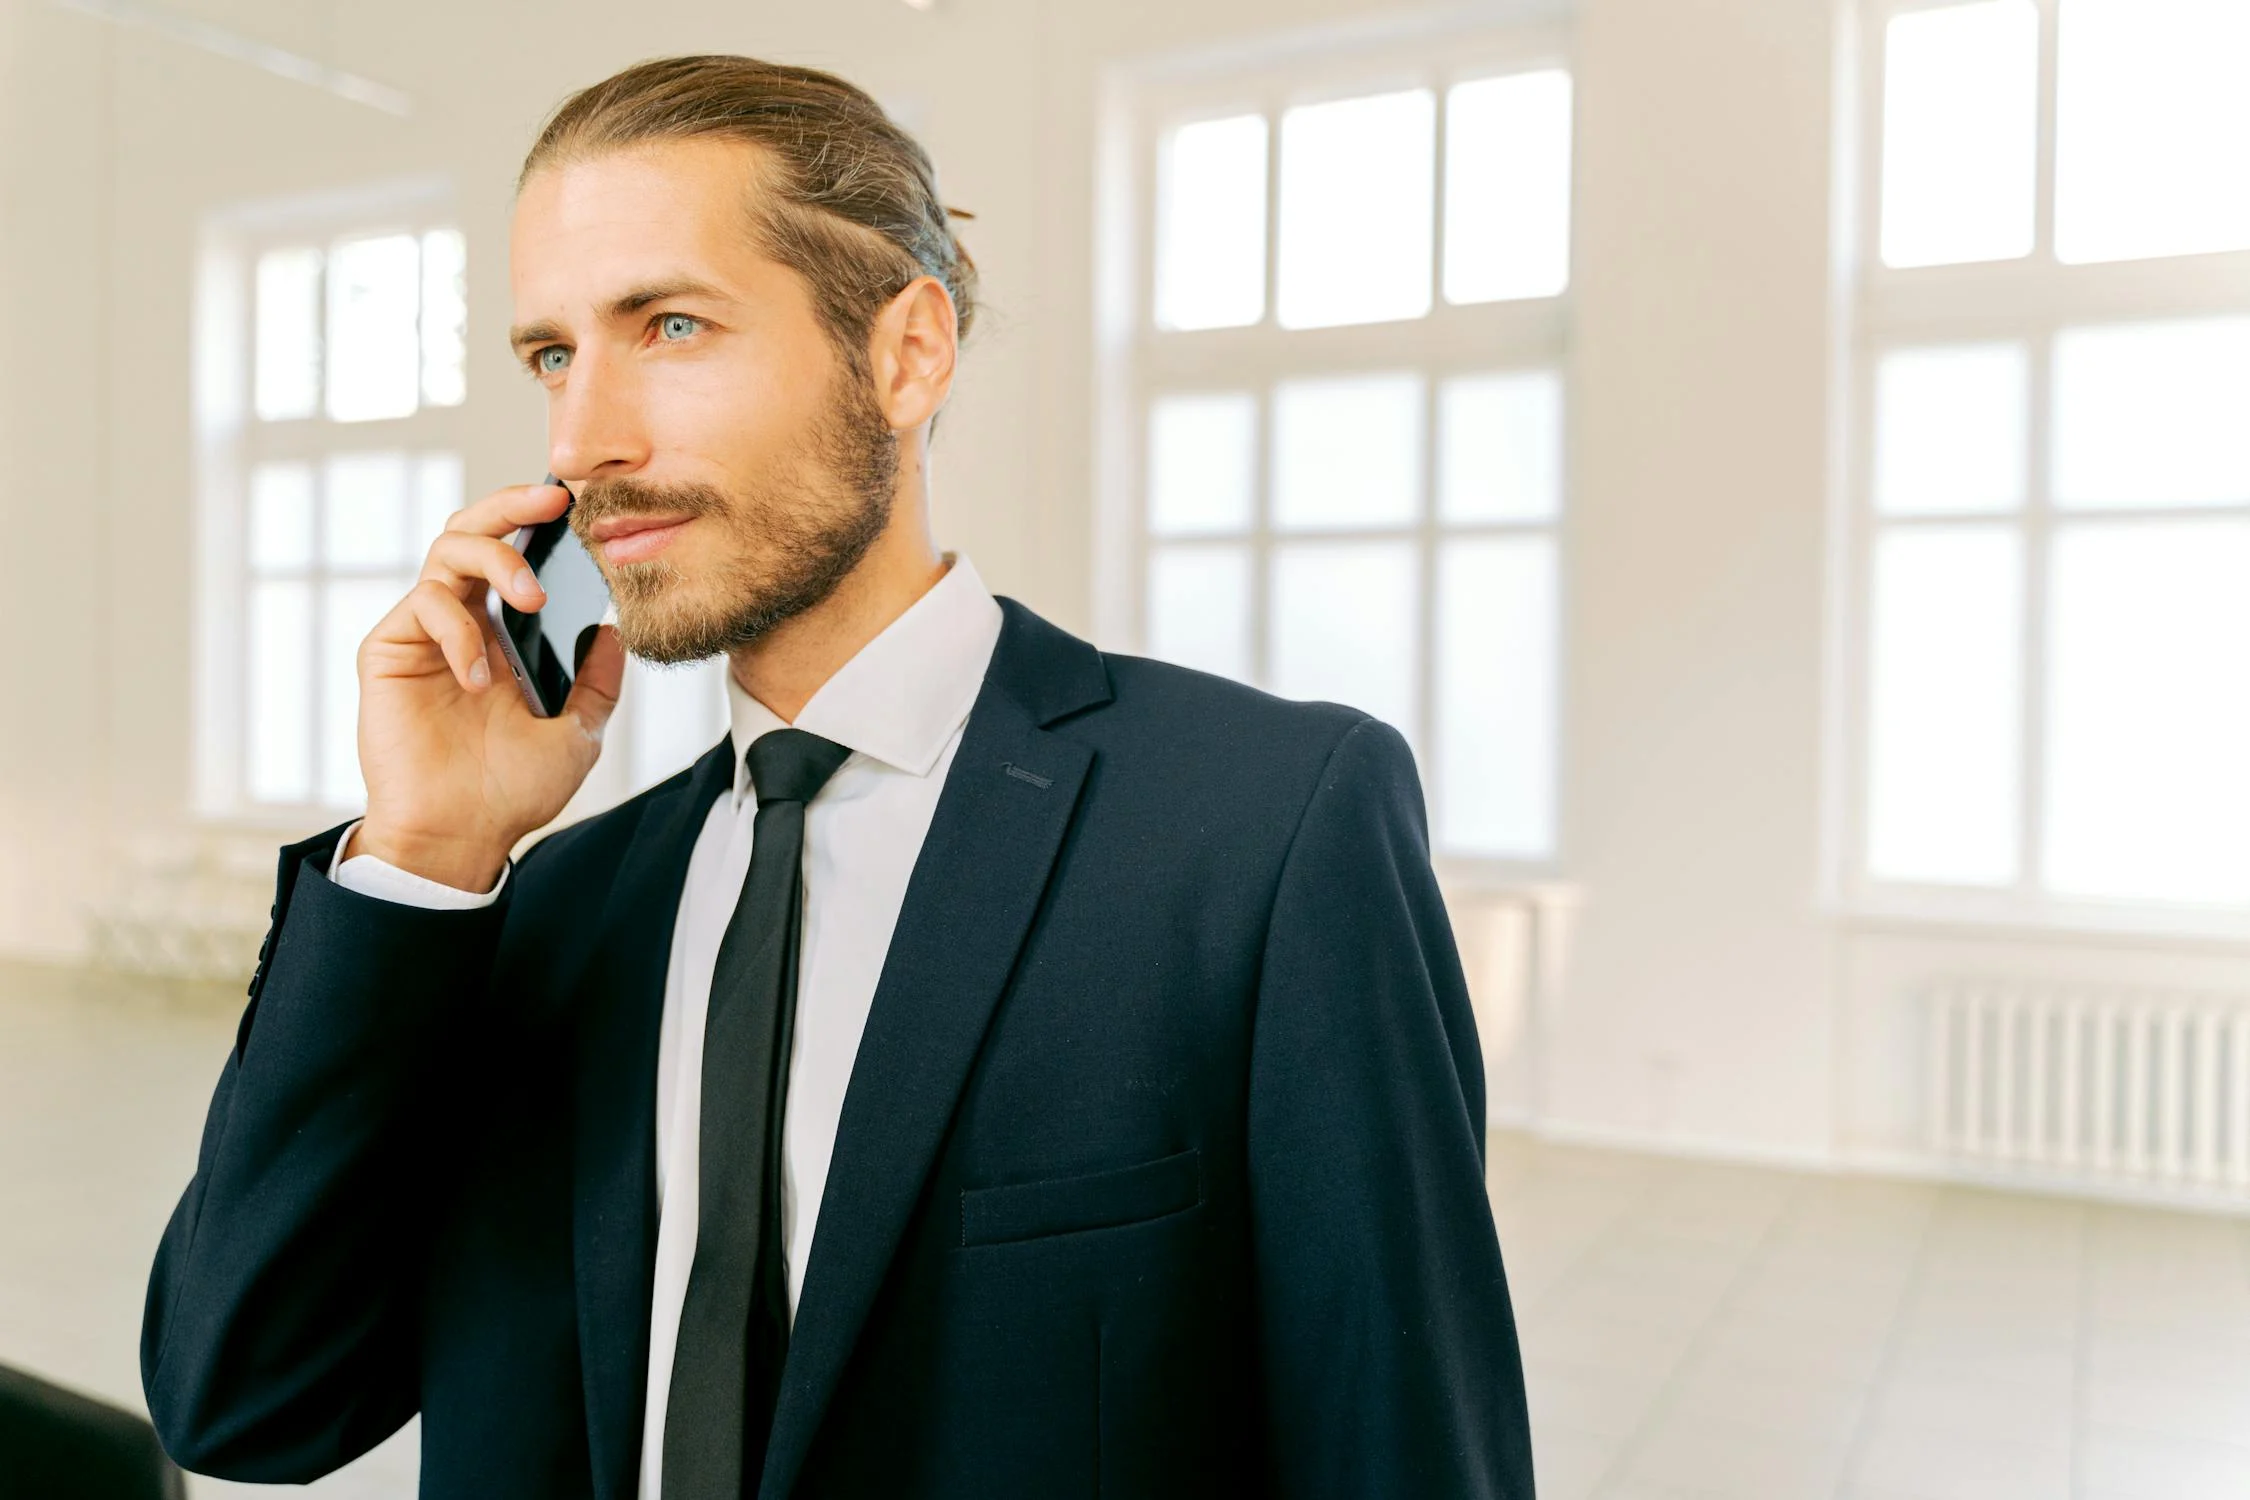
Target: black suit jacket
1160, 1171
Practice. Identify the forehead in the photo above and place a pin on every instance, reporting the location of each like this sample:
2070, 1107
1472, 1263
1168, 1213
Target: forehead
665, 209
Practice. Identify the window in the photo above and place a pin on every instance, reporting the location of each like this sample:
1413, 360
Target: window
1336, 387
331, 353
2052, 494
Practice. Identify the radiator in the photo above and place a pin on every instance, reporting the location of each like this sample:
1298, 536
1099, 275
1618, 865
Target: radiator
2117, 1087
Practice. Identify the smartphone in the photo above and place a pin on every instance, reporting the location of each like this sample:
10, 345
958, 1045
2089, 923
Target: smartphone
542, 647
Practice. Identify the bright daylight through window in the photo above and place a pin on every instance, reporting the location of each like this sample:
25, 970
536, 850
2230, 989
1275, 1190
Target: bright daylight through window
2055, 510
1351, 417
354, 343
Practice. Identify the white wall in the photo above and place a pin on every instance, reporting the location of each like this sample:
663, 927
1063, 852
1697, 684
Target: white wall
1698, 999
1710, 1000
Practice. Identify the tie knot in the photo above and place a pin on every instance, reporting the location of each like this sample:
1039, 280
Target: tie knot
792, 765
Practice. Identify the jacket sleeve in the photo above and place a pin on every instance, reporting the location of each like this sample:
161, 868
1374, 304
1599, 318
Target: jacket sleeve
279, 1338
1387, 1340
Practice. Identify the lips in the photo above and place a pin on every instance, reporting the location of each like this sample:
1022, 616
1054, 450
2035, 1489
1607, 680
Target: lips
628, 539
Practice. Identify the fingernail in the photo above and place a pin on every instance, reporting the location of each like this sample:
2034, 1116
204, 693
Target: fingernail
481, 673
526, 581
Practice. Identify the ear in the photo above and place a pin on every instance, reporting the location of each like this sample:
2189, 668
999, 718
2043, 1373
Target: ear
911, 352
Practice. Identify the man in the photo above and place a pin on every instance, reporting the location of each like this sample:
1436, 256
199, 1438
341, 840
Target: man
998, 1069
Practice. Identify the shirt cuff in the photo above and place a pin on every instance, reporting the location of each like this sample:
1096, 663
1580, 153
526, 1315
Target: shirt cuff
369, 876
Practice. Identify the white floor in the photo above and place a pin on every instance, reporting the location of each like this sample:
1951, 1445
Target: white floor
1689, 1330
1702, 1330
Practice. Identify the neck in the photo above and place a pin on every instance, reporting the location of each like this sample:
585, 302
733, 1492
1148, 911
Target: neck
785, 667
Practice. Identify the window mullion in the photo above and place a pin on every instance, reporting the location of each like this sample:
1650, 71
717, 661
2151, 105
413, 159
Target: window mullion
2043, 195
316, 575
1260, 540
1262, 467
1427, 538
2037, 531
1866, 532
1426, 526
1276, 103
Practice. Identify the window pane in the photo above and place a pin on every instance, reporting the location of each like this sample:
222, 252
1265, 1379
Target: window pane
437, 495
1211, 224
1201, 454
2152, 111
1942, 758
1347, 452
374, 356
1355, 210
366, 511
1199, 608
350, 609
288, 336
1950, 430
678, 713
2153, 414
1500, 447
1496, 657
445, 317
1507, 187
281, 516
280, 697
1960, 133
1343, 626
2149, 712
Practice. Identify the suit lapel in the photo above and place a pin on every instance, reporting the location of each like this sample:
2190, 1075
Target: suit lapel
1000, 822
613, 1209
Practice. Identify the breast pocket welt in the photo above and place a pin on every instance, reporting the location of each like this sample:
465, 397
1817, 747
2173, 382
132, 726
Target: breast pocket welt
1055, 1206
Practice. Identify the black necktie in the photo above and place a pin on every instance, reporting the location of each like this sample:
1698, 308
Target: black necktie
734, 1324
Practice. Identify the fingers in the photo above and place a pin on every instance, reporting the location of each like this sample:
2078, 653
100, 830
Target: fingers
459, 560
601, 673
432, 614
503, 511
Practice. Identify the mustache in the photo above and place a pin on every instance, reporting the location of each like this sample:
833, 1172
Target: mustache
605, 499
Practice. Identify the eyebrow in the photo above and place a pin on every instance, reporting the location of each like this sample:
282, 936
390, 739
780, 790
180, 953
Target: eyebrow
632, 302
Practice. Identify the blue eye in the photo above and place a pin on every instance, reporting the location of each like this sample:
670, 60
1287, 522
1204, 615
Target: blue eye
552, 359
676, 325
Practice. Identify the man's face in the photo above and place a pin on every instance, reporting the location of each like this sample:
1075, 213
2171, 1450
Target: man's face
731, 469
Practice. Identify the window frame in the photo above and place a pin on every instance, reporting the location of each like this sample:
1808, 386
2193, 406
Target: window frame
230, 441
1137, 361
2027, 302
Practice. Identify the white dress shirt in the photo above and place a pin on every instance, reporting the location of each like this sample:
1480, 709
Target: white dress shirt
900, 706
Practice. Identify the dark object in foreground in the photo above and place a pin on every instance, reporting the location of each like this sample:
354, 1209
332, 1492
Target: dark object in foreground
58, 1445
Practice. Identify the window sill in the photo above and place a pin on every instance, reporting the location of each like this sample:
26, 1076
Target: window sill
286, 823
1988, 916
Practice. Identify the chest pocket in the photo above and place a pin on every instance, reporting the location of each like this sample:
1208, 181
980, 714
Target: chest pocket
1095, 1200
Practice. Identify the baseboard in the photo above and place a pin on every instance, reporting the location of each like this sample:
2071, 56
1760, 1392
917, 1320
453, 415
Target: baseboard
1897, 1166
2033, 1183
1689, 1147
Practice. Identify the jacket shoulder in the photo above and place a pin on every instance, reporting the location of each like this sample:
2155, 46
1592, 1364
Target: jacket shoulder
1240, 715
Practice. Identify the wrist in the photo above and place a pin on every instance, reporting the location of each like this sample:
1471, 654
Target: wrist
465, 864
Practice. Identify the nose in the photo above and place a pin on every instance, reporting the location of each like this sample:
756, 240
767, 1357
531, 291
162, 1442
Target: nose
595, 422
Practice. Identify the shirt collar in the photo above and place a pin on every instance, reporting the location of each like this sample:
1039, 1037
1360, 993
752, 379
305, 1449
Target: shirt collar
903, 694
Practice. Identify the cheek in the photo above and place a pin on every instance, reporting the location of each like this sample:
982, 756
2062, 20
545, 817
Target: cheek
731, 410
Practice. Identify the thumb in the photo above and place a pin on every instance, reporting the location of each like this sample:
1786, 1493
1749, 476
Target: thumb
601, 673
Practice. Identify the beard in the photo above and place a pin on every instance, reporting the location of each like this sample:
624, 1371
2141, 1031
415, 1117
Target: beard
782, 546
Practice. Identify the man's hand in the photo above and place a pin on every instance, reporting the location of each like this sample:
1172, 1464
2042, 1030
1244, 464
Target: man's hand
457, 767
